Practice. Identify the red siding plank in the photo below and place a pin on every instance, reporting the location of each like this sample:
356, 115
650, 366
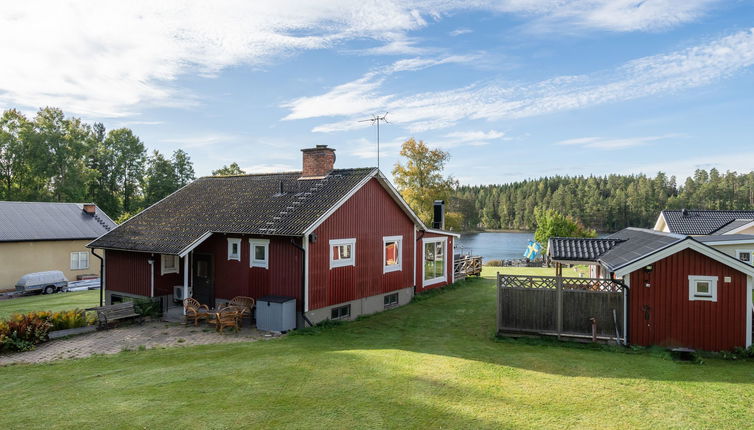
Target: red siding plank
677, 321
369, 215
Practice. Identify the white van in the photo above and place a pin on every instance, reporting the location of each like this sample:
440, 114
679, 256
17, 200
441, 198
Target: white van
47, 282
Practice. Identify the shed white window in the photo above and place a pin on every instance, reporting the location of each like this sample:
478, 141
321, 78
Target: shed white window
260, 253
79, 260
703, 288
391, 253
169, 264
435, 263
745, 255
234, 249
342, 252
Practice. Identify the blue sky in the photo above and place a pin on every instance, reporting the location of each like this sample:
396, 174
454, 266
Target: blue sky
512, 89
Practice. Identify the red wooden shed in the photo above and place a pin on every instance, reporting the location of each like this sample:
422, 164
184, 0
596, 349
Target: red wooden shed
682, 292
342, 242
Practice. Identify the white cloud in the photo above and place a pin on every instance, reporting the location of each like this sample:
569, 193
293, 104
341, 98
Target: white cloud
610, 144
103, 58
643, 77
460, 31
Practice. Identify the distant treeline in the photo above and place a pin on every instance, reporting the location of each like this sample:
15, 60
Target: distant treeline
605, 203
51, 157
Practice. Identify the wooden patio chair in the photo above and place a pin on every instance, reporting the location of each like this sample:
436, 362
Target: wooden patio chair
195, 311
246, 304
228, 317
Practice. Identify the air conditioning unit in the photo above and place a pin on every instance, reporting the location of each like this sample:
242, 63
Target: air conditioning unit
178, 293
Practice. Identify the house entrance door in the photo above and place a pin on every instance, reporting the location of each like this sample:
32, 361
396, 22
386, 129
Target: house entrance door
203, 279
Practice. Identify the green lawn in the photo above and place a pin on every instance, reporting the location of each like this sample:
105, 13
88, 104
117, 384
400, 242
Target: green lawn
431, 364
50, 302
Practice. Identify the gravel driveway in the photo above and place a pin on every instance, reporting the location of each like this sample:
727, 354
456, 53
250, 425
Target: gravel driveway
149, 335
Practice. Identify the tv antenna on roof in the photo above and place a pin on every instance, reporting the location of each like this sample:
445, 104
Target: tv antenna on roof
375, 119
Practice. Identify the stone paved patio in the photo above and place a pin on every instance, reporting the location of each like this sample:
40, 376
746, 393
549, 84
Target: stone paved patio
149, 335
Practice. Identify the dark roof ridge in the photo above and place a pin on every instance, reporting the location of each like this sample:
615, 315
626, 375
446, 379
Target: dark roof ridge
710, 210
289, 172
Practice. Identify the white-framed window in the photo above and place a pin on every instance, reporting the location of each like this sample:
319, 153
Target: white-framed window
745, 255
342, 252
79, 260
260, 253
703, 288
390, 300
341, 313
435, 260
234, 249
391, 253
169, 264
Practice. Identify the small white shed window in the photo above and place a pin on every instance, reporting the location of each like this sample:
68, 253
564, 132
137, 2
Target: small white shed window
703, 288
79, 260
169, 264
234, 249
391, 253
342, 252
260, 253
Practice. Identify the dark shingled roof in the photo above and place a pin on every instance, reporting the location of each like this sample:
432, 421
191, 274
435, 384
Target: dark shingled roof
246, 204
636, 243
725, 238
27, 221
613, 251
699, 222
579, 249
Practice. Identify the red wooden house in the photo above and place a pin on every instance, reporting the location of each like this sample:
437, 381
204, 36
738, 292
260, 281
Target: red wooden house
681, 292
342, 242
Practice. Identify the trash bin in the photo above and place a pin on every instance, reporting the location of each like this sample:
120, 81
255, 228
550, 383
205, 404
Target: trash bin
276, 313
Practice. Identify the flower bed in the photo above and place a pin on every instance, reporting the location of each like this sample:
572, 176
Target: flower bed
21, 332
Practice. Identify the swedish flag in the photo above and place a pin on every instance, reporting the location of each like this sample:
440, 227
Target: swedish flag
532, 250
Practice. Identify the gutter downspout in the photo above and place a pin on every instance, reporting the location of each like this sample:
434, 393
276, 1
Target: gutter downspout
151, 276
101, 278
303, 280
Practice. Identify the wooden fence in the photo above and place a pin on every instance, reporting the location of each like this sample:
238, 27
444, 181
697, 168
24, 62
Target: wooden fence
465, 265
583, 308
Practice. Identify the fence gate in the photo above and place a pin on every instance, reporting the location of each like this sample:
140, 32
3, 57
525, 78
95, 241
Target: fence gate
560, 306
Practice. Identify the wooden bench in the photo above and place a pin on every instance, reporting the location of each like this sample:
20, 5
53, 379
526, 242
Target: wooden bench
116, 312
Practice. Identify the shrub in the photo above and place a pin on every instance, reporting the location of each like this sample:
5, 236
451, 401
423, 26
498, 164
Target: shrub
22, 331
68, 319
147, 307
494, 263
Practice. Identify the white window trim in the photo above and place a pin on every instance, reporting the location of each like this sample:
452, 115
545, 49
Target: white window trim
253, 262
393, 267
444, 277
745, 251
231, 241
343, 262
78, 260
712, 288
165, 270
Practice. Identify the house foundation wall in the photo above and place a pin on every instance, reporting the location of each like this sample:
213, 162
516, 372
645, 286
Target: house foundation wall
364, 306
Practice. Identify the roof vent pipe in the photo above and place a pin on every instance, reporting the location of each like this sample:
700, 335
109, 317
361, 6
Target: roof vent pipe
438, 220
685, 212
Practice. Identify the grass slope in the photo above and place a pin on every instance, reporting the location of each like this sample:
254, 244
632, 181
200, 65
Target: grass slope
431, 364
50, 302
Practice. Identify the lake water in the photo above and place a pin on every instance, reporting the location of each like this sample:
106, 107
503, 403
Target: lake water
493, 245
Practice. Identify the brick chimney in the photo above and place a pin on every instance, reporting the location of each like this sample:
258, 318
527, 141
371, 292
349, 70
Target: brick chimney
318, 162
90, 209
